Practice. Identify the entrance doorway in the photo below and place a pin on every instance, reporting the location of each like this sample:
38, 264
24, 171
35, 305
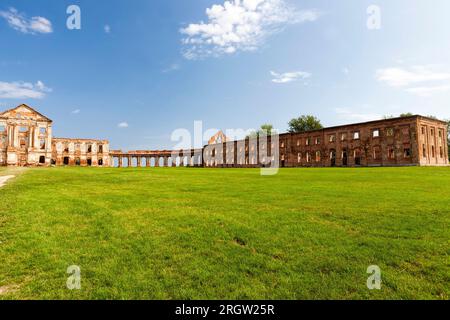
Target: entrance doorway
357, 157
333, 158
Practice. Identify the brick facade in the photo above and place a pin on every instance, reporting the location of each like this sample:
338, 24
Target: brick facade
26, 140
406, 141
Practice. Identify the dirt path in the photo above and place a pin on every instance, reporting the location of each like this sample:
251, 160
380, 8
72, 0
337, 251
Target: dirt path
3, 180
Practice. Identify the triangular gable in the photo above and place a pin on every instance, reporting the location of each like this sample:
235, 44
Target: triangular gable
25, 110
219, 137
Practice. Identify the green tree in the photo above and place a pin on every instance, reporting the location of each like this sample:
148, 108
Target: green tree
406, 114
265, 129
304, 123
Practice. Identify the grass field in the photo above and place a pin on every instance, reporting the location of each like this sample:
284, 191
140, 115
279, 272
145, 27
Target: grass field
180, 233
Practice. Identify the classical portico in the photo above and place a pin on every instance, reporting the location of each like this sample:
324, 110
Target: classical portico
25, 137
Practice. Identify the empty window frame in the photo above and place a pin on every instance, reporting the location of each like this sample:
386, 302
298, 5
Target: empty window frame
308, 141
376, 133
391, 153
407, 152
377, 153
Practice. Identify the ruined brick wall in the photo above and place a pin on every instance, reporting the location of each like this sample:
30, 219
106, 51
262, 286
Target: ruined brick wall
389, 142
80, 152
432, 142
25, 137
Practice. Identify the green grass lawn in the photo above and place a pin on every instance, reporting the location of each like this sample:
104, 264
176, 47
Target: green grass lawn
184, 233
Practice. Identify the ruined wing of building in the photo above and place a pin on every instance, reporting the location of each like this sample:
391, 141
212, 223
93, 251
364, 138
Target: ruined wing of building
26, 140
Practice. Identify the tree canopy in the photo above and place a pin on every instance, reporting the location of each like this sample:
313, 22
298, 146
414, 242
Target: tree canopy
265, 129
304, 123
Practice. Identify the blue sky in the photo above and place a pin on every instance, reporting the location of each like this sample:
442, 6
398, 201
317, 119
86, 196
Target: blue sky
137, 70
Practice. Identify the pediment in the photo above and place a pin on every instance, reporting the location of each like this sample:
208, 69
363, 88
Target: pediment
24, 112
219, 137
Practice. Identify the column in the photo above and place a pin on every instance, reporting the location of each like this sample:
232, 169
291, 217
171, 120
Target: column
166, 162
30, 137
129, 162
156, 161
10, 135
16, 136
36, 143
120, 162
138, 161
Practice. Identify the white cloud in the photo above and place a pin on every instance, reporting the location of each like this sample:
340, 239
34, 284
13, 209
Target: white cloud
41, 87
423, 81
348, 115
172, 67
107, 28
398, 77
23, 90
346, 70
20, 22
428, 91
240, 25
289, 76
123, 125
76, 111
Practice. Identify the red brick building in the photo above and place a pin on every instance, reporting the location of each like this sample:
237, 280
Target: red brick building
405, 141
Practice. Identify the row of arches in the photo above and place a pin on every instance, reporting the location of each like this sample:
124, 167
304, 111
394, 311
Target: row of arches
149, 161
